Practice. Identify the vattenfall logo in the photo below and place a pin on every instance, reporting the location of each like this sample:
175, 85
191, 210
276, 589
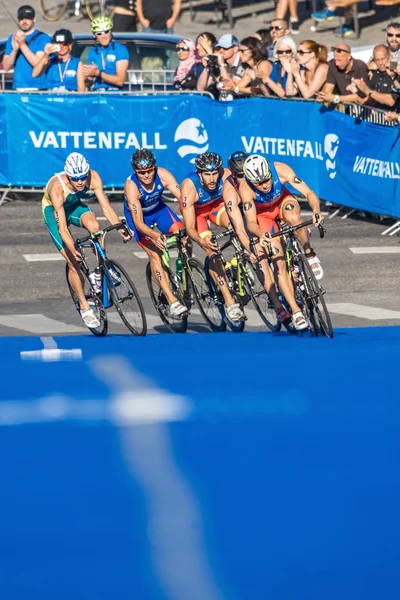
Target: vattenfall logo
296, 147
192, 138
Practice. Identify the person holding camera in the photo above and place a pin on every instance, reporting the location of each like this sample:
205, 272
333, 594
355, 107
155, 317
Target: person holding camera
64, 72
223, 67
23, 50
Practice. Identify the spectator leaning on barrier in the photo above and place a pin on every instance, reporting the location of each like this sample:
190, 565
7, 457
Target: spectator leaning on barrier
190, 66
343, 68
223, 67
254, 58
108, 60
23, 50
158, 16
278, 29
308, 74
124, 17
63, 71
285, 50
379, 91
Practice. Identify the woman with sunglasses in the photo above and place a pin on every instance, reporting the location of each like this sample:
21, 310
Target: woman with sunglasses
108, 60
190, 66
253, 56
308, 74
145, 209
62, 204
284, 51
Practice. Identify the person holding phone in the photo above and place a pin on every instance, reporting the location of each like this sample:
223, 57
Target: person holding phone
64, 72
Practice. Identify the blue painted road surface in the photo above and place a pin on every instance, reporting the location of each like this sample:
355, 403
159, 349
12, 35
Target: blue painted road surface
200, 467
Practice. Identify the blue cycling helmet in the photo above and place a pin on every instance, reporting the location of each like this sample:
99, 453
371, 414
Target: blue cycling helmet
208, 161
143, 159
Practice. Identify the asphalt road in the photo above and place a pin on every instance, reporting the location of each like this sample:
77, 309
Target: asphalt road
362, 276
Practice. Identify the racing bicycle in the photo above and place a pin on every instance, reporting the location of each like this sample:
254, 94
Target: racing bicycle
188, 284
309, 293
117, 288
53, 10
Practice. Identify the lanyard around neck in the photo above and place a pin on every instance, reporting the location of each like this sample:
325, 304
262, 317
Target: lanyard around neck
62, 73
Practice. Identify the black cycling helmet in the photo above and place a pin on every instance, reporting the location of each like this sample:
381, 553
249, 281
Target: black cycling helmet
143, 159
62, 36
236, 161
208, 161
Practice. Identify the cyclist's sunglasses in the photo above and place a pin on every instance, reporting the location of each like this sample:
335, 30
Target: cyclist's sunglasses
144, 171
99, 33
81, 178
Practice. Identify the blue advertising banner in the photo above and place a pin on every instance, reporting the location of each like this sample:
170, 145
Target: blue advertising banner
345, 161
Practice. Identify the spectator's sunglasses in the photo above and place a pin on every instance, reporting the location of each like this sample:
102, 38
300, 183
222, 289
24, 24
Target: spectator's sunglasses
77, 179
144, 171
301, 52
339, 50
396, 35
277, 27
105, 32
182, 49
284, 52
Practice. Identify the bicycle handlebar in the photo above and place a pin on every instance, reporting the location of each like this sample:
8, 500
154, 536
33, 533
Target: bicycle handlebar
101, 232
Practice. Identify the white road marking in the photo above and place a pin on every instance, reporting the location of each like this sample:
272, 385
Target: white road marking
51, 352
43, 257
376, 250
39, 324
361, 311
143, 254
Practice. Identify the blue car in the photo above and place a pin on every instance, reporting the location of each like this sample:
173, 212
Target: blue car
147, 52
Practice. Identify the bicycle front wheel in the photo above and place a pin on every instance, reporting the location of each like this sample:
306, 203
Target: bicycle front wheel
259, 296
126, 299
161, 305
207, 298
96, 8
52, 10
320, 317
94, 303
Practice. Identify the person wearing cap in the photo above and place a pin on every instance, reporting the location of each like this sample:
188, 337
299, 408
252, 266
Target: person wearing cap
230, 68
108, 60
63, 71
23, 51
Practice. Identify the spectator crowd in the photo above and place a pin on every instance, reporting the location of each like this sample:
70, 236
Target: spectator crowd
268, 63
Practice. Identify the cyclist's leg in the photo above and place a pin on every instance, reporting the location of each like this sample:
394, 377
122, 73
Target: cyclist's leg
74, 276
285, 283
219, 217
290, 212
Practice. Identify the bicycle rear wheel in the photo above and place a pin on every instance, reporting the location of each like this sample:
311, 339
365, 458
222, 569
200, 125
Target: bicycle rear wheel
95, 8
126, 299
259, 296
208, 299
52, 10
161, 305
321, 320
94, 303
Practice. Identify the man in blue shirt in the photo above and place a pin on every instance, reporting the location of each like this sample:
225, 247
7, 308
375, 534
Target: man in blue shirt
23, 51
64, 72
108, 60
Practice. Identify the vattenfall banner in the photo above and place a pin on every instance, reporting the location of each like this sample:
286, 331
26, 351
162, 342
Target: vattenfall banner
345, 161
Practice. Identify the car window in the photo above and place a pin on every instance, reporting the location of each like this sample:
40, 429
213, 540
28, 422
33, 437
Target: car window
156, 56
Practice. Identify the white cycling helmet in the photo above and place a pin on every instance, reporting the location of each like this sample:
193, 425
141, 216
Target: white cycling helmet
256, 168
76, 165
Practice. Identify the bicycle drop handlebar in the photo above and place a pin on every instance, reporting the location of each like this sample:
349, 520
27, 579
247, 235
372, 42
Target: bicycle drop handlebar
101, 232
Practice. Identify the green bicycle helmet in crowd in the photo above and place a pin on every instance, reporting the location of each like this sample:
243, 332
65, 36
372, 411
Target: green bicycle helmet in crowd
100, 24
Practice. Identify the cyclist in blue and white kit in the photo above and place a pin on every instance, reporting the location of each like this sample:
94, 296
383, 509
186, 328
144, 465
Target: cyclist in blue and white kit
108, 61
145, 208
